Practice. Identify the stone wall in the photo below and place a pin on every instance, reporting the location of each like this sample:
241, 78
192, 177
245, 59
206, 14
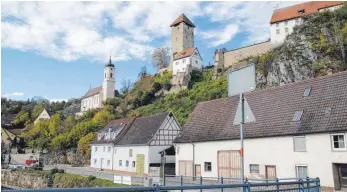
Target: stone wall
229, 58
23, 180
66, 157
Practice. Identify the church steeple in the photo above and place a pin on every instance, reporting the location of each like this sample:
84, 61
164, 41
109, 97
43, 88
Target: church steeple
109, 63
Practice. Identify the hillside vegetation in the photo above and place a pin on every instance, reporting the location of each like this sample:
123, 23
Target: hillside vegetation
314, 48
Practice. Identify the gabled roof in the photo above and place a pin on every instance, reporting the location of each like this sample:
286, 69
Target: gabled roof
186, 53
182, 18
142, 130
292, 12
274, 109
8, 118
93, 91
118, 125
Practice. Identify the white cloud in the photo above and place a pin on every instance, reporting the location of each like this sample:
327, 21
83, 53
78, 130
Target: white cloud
71, 30
252, 18
220, 36
14, 94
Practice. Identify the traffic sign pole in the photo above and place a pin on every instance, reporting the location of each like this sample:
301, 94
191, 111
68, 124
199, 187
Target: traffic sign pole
242, 99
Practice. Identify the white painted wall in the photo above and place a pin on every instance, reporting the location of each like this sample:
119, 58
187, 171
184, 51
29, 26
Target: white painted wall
122, 153
281, 26
92, 102
108, 85
277, 151
101, 153
180, 65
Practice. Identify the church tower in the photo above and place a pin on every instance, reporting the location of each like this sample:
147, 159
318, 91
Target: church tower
108, 86
182, 35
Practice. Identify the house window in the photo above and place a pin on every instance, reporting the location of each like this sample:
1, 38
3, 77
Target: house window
184, 60
307, 92
297, 115
277, 24
338, 141
127, 163
130, 152
120, 163
301, 171
277, 31
96, 149
133, 163
299, 144
286, 30
95, 161
286, 23
208, 166
115, 151
108, 162
196, 62
254, 168
109, 149
302, 11
104, 149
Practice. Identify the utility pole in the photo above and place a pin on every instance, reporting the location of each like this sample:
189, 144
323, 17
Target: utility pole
242, 99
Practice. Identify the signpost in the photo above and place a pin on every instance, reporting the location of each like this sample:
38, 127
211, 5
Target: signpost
240, 81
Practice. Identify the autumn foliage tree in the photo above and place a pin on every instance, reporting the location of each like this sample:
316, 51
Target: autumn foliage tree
161, 58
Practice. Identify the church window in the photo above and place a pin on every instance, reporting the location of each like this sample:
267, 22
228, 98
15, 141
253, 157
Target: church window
111, 75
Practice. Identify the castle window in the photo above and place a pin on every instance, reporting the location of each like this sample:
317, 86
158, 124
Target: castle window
111, 75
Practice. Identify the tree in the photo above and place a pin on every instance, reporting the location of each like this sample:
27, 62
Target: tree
126, 85
143, 72
84, 143
161, 58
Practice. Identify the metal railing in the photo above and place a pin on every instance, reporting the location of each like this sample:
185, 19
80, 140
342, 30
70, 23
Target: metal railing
301, 185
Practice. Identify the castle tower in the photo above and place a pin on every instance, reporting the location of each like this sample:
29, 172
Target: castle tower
182, 35
108, 85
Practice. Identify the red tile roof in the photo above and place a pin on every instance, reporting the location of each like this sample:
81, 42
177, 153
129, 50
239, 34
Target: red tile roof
182, 18
292, 12
185, 53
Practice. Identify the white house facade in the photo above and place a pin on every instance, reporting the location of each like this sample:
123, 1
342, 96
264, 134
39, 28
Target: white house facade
285, 19
94, 97
44, 115
135, 147
300, 130
191, 57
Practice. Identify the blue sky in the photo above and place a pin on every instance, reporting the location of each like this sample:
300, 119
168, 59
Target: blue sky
57, 50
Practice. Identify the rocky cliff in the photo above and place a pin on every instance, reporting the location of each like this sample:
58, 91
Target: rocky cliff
315, 48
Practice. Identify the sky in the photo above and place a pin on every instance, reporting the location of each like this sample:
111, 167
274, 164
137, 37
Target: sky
58, 50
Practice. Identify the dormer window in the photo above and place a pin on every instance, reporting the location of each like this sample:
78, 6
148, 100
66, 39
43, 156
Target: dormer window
113, 135
99, 136
302, 11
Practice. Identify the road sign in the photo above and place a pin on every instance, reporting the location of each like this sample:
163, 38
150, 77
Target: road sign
241, 80
248, 115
